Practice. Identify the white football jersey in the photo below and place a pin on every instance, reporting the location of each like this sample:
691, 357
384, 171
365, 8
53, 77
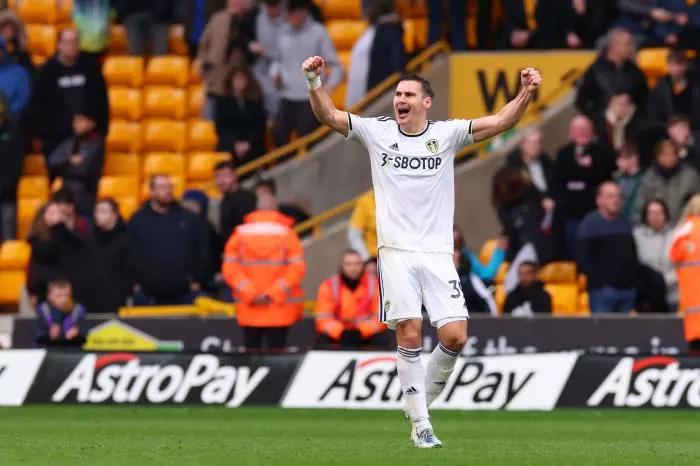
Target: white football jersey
413, 177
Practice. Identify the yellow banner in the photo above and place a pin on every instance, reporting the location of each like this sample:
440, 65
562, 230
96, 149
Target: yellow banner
481, 83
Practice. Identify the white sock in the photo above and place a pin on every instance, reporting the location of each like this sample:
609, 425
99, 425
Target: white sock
440, 366
412, 378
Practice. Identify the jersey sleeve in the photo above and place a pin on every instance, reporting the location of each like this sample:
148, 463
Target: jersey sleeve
462, 130
360, 129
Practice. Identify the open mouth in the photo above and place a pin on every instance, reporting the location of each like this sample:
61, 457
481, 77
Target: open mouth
402, 111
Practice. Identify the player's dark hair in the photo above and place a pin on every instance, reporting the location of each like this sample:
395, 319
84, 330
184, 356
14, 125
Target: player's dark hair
425, 84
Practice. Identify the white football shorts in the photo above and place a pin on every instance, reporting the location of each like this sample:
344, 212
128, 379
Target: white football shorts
409, 281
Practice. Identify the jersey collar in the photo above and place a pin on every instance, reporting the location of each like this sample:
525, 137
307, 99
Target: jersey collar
415, 135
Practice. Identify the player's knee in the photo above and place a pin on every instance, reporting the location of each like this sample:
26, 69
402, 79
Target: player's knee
408, 334
455, 341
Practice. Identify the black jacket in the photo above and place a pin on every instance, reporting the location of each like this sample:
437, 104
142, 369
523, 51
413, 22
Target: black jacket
11, 155
61, 256
387, 54
60, 92
663, 104
235, 206
514, 159
167, 252
240, 121
106, 259
164, 11
555, 19
537, 297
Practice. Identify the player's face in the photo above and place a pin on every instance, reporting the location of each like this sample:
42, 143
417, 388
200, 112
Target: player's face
410, 103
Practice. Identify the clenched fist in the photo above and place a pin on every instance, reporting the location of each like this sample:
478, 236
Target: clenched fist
530, 79
313, 64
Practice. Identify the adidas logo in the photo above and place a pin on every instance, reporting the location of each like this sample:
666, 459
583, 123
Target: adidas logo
394, 146
440, 384
411, 391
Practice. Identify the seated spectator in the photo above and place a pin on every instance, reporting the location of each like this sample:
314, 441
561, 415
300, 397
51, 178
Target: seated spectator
197, 202
195, 16
59, 317
593, 19
658, 289
622, 122
64, 85
65, 200
293, 210
607, 254
642, 17
669, 180
684, 30
531, 157
264, 266
676, 93
685, 140
347, 307
477, 296
168, 249
378, 52
484, 272
529, 297
436, 19
268, 27
236, 202
11, 156
301, 37
240, 117
107, 283
581, 166
91, 18
79, 160
615, 70
362, 229
146, 21
628, 177
544, 24
12, 29
15, 82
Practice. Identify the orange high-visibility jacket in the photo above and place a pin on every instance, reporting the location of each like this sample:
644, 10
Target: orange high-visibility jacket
339, 308
685, 255
264, 256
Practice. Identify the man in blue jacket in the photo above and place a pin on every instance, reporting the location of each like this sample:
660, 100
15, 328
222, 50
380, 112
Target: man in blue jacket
14, 82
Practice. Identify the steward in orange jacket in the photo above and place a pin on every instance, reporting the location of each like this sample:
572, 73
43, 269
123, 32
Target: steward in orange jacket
264, 266
347, 304
685, 255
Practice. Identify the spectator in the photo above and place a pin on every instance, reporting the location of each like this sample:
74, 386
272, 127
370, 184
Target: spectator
622, 122
658, 276
641, 17
614, 71
581, 166
12, 29
91, 18
347, 307
529, 297
685, 256
378, 52
225, 43
11, 155
362, 230
59, 317
264, 266
607, 254
79, 160
436, 18
107, 250
484, 272
14, 82
685, 140
56, 251
240, 117
196, 15
544, 24
268, 27
477, 297
146, 21
684, 30
293, 210
236, 202
65, 200
539, 165
197, 202
677, 93
300, 38
66, 84
168, 249
669, 180
593, 19
628, 177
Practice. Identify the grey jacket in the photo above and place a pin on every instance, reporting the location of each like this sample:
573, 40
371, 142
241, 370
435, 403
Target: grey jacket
653, 250
674, 191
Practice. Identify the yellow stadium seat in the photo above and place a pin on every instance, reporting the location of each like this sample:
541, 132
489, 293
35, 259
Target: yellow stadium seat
652, 61
195, 72
564, 298
502, 271
201, 136
26, 210
119, 164
36, 187
499, 296
117, 40
409, 34
118, 186
14, 255
584, 307
41, 39
177, 45
11, 284
65, 11
338, 95
127, 205
344, 58
123, 71
38, 60
582, 282
34, 165
487, 250
38, 11
559, 272
345, 32
125, 103
200, 165
178, 187
164, 135
421, 34
195, 100
124, 136
167, 163
341, 9
164, 102
412, 8
168, 70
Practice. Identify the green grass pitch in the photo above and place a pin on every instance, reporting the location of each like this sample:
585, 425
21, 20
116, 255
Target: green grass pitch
121, 435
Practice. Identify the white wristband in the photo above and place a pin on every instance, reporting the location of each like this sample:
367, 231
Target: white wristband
313, 81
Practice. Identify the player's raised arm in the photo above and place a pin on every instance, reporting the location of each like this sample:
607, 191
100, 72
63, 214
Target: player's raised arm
321, 103
510, 114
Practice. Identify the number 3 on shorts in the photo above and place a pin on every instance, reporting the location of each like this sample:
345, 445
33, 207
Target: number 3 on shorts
457, 287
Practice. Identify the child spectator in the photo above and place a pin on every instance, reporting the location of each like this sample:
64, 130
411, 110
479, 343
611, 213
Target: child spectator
529, 297
628, 177
59, 317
